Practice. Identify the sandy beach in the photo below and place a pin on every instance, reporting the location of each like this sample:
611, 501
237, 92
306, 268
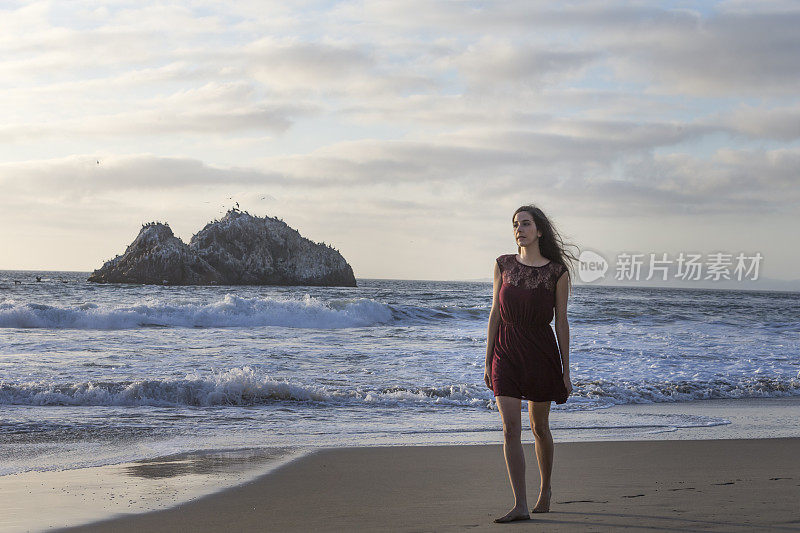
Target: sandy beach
738, 473
703, 485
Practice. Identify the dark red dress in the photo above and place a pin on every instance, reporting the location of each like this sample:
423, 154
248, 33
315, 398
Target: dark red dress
526, 362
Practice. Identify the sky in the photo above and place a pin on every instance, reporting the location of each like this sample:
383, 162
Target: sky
404, 133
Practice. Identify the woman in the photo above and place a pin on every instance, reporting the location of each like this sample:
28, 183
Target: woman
523, 361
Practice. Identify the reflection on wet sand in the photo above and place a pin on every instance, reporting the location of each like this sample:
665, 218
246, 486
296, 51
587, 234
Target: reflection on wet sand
81, 495
203, 463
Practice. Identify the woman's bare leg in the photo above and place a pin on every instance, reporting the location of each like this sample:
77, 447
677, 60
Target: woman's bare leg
515, 458
539, 413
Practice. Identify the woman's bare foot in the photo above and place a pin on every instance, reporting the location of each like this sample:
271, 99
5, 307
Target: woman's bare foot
517, 513
543, 505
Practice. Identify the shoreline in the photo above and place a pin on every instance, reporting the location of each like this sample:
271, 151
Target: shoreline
709, 485
86, 495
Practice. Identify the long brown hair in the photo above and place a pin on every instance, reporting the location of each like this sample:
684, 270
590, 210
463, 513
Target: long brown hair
551, 245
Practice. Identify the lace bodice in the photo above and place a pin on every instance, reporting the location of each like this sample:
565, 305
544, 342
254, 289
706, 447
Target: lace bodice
529, 277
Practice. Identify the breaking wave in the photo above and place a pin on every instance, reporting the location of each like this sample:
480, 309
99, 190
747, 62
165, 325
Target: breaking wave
625, 392
246, 386
229, 311
237, 386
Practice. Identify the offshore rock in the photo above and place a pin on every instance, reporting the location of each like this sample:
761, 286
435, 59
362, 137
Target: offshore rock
248, 250
156, 256
239, 249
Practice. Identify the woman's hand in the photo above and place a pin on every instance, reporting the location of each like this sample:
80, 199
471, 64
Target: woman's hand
487, 376
568, 383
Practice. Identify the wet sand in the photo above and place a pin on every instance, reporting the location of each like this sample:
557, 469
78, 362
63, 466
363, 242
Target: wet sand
673, 485
41, 501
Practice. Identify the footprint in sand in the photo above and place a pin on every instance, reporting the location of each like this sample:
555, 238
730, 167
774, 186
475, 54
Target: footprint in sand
633, 496
726, 483
684, 488
777, 478
584, 501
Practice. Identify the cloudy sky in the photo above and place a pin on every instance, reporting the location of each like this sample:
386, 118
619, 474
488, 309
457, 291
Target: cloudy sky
405, 132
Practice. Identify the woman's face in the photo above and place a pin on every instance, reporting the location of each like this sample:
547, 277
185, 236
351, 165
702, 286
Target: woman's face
525, 231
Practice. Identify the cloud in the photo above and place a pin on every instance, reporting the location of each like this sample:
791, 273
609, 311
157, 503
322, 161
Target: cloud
267, 118
307, 61
87, 176
780, 123
730, 181
489, 62
599, 166
732, 48
419, 108
727, 53
211, 108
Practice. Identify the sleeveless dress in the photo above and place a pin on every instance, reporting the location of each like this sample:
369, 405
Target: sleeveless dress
526, 362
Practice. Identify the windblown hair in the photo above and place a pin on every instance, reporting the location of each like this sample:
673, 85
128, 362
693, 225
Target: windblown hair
551, 245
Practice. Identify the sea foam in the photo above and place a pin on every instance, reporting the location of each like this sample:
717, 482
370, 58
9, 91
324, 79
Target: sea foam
237, 386
229, 311
247, 386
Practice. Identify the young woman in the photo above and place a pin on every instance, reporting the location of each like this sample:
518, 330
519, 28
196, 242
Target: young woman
523, 361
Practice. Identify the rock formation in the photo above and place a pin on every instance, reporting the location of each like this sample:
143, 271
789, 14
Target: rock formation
239, 249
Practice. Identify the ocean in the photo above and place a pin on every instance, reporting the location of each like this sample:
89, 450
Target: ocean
95, 375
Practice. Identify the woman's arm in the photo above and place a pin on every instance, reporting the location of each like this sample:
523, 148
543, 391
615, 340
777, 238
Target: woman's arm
494, 324
562, 325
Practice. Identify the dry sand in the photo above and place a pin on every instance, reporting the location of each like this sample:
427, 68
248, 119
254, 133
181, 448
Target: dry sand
688, 485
